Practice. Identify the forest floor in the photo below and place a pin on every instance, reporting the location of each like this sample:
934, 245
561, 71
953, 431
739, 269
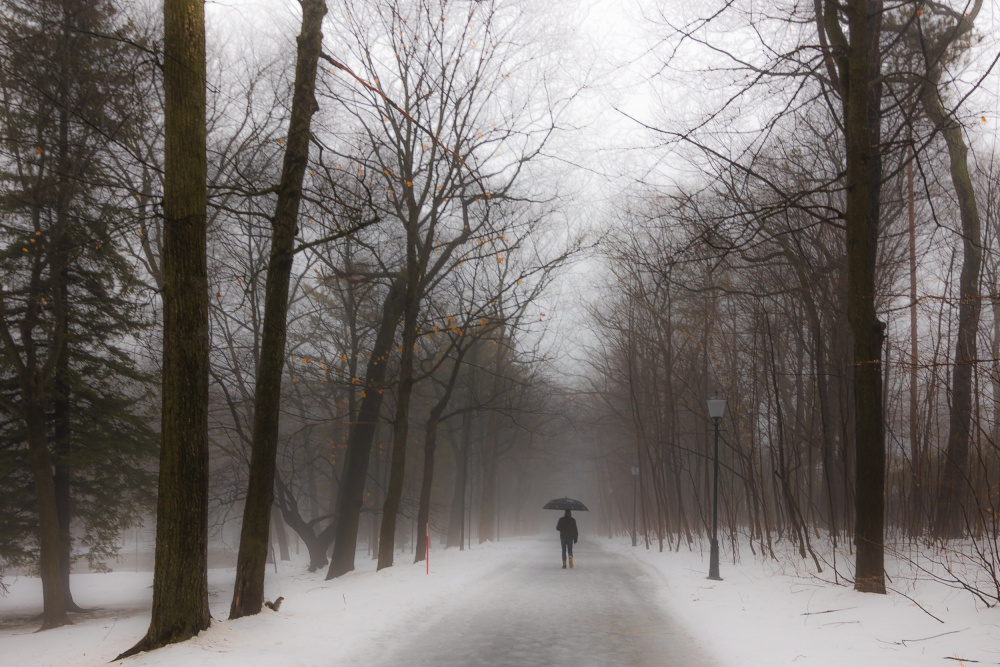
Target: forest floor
512, 604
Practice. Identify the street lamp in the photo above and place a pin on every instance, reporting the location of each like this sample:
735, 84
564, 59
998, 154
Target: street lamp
635, 477
716, 407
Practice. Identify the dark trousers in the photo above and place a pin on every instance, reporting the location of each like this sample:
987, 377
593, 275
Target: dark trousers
567, 545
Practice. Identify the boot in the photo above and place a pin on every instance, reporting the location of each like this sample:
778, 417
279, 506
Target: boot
570, 563
564, 563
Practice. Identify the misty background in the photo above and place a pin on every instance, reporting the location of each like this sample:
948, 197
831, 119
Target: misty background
530, 241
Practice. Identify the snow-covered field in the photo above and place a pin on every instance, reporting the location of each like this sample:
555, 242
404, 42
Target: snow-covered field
767, 613
763, 613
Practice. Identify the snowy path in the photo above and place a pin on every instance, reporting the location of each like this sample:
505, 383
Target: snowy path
511, 604
605, 611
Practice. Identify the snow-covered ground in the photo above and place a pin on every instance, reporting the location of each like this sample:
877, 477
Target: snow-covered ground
763, 613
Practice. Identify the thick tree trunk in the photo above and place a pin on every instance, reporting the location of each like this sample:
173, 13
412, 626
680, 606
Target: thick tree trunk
861, 98
248, 594
61, 434
180, 584
854, 63
54, 602
350, 495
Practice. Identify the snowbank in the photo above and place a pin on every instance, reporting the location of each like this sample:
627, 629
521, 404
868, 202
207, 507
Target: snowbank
763, 613
774, 612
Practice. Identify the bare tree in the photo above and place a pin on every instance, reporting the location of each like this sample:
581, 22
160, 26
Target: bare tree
248, 595
448, 150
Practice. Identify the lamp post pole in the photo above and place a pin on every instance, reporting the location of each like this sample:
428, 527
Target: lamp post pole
635, 478
716, 408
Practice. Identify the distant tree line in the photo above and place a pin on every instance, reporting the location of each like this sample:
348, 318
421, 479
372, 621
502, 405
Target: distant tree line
855, 353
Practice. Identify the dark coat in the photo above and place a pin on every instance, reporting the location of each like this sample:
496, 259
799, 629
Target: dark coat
567, 528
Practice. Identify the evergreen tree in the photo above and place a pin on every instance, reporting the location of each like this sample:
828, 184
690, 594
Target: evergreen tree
67, 90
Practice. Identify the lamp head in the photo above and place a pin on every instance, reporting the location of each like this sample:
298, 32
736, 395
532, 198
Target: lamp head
716, 406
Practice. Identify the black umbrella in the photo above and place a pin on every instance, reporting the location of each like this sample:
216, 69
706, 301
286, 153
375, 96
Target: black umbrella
565, 504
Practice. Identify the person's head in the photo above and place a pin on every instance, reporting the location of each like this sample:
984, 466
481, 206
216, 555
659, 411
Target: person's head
567, 513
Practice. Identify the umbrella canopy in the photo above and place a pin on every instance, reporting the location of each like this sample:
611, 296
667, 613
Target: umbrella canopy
565, 504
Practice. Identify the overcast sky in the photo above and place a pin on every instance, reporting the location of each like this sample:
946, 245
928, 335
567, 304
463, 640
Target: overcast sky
621, 58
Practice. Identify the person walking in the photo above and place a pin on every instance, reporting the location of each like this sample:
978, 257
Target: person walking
568, 536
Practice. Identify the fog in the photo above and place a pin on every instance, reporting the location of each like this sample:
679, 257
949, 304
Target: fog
321, 289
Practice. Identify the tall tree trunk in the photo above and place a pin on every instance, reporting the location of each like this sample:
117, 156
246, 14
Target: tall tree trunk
60, 379
414, 275
951, 520
995, 432
61, 434
180, 582
828, 444
456, 518
430, 447
248, 594
915, 502
488, 492
862, 118
350, 495
54, 602
855, 61
401, 424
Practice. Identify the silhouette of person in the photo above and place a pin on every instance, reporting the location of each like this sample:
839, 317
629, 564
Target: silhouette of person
568, 536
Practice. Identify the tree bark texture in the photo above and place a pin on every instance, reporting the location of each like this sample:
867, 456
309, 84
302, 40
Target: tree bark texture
854, 63
248, 594
180, 585
861, 98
